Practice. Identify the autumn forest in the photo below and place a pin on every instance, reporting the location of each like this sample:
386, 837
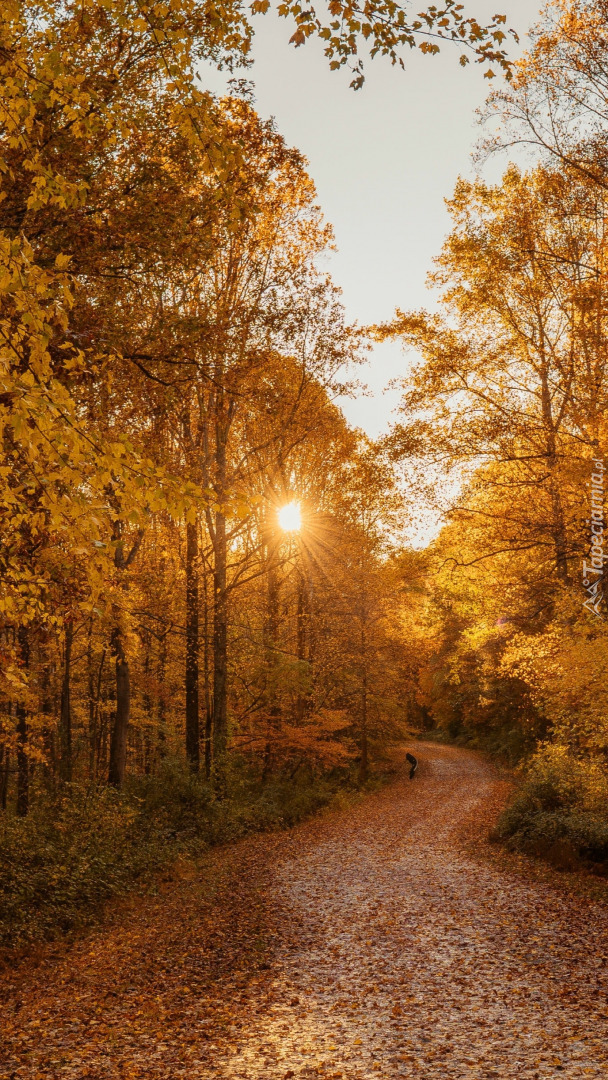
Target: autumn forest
216, 631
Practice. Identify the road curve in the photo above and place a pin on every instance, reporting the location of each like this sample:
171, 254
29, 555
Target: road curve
378, 941
404, 955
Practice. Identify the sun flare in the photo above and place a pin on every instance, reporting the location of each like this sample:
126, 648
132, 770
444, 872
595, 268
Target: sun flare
290, 517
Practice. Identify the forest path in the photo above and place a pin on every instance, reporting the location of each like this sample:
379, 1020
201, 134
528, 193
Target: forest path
378, 941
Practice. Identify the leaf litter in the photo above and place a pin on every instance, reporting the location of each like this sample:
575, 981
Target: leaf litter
384, 940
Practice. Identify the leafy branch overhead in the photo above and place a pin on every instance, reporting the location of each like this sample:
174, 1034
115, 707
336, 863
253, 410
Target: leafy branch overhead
387, 28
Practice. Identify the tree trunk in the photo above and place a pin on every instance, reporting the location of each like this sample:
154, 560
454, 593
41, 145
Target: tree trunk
46, 707
118, 738
220, 645
118, 741
302, 618
146, 744
559, 529
271, 635
91, 702
207, 688
5, 765
217, 530
558, 525
364, 762
23, 776
23, 772
162, 707
192, 647
94, 700
65, 760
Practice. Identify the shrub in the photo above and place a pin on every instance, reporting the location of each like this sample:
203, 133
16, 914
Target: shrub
561, 798
65, 858
72, 853
183, 802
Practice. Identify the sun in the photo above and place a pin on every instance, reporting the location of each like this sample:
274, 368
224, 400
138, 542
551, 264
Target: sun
290, 517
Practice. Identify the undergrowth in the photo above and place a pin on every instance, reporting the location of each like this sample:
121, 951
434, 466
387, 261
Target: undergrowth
560, 809
507, 745
79, 848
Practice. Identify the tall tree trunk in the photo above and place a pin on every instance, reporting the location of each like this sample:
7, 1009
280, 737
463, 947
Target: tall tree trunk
120, 728
207, 686
271, 635
217, 530
102, 740
192, 647
5, 765
46, 706
559, 528
94, 702
65, 722
558, 524
364, 762
118, 741
162, 706
91, 702
23, 776
146, 749
220, 643
302, 618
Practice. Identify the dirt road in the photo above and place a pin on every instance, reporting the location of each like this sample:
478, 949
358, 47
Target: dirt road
375, 942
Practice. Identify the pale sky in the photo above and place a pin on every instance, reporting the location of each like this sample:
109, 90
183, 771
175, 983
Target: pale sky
383, 159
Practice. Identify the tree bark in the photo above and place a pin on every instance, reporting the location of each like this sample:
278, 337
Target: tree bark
118, 738
118, 741
162, 707
192, 647
217, 530
271, 635
220, 643
558, 525
302, 618
5, 765
23, 776
364, 762
146, 742
94, 700
46, 708
559, 528
207, 687
65, 760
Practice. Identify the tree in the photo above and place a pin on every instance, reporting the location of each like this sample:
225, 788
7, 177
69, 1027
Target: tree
557, 102
511, 392
509, 400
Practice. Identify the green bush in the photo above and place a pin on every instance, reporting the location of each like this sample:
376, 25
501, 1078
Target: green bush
182, 802
562, 798
60, 863
176, 799
507, 743
67, 857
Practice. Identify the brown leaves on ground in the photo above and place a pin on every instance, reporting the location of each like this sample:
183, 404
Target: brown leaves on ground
149, 995
382, 941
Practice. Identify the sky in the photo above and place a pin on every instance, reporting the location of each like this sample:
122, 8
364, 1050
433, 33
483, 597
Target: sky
383, 159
